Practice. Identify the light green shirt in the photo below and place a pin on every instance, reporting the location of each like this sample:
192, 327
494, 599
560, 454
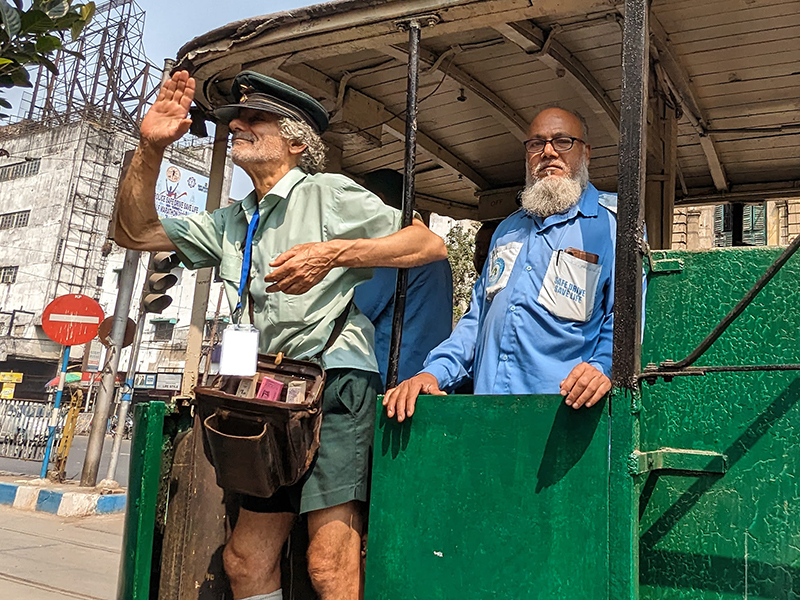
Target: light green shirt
299, 209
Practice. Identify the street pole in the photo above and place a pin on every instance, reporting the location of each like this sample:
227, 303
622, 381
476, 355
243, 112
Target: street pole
51, 430
202, 286
207, 365
105, 395
125, 404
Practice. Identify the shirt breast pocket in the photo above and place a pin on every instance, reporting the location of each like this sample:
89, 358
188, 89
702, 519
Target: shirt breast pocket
569, 287
230, 267
501, 263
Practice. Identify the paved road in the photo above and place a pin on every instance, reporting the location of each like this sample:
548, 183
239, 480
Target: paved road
77, 454
44, 557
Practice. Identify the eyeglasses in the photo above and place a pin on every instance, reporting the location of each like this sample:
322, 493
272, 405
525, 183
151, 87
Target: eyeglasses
560, 144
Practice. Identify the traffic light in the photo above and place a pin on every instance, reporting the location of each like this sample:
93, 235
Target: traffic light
158, 281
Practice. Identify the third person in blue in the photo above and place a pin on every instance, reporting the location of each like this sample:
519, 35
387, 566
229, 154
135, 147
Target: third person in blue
541, 315
428, 317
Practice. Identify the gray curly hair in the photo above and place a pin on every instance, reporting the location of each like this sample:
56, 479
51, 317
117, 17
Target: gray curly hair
314, 157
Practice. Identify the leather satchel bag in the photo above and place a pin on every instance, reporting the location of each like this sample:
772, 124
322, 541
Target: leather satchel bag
258, 445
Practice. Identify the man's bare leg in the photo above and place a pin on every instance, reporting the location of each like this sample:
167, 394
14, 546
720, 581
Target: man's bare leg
252, 556
334, 551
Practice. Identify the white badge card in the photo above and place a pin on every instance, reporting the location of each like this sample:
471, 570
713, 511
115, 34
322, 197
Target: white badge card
239, 355
502, 263
569, 287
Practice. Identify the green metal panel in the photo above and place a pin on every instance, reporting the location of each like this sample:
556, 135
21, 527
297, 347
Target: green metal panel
623, 516
733, 535
490, 497
143, 489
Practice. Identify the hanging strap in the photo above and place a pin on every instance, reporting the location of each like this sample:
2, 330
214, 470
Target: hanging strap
338, 326
247, 259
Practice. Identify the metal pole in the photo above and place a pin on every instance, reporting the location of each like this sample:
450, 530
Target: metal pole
127, 394
632, 157
408, 197
51, 433
89, 395
105, 394
207, 365
202, 286
625, 403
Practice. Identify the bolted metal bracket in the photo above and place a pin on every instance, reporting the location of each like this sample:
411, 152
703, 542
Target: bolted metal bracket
420, 21
666, 265
676, 459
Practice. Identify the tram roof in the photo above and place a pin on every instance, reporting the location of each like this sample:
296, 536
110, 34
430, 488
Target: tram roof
489, 65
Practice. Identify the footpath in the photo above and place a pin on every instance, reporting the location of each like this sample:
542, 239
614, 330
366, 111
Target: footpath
46, 557
63, 499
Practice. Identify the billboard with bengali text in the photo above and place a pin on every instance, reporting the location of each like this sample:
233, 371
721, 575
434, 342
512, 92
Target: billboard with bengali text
180, 191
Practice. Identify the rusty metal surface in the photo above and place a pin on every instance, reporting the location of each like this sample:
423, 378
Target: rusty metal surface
195, 534
733, 535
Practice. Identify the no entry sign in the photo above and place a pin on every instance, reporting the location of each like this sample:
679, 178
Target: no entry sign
72, 320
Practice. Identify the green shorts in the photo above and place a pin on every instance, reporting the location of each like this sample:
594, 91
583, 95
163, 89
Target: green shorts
340, 472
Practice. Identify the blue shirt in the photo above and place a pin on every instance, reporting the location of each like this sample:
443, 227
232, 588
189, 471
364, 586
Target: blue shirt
428, 318
510, 343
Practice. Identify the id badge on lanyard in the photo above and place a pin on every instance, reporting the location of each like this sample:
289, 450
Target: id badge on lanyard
239, 356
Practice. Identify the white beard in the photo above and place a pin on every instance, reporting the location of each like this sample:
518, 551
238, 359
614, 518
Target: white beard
265, 150
554, 195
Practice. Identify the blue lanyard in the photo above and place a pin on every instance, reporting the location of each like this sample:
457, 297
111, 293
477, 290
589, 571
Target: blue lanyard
246, 260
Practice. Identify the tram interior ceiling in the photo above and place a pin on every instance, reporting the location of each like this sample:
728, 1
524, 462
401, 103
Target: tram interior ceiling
687, 103
487, 68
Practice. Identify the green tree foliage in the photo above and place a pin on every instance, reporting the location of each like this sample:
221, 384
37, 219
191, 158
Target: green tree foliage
460, 242
30, 33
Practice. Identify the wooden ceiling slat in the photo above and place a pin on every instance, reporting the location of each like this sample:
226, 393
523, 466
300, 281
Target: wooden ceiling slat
577, 43
714, 84
785, 88
700, 68
704, 38
679, 16
728, 58
763, 148
782, 106
778, 28
530, 68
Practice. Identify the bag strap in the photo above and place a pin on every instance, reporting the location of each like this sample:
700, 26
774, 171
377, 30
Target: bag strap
338, 326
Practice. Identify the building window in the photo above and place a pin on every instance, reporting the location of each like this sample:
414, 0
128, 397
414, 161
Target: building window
15, 219
23, 169
163, 330
222, 323
754, 225
8, 274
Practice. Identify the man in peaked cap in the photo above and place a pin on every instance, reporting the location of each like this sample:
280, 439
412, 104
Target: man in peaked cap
314, 237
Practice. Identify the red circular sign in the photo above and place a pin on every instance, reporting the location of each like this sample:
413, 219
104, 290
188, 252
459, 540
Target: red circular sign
72, 320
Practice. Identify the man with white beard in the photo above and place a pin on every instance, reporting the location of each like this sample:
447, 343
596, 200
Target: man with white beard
541, 316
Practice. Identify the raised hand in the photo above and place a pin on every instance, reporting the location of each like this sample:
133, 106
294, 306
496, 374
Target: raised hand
167, 121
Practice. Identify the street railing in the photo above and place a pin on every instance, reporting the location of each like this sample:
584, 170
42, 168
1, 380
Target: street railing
23, 428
